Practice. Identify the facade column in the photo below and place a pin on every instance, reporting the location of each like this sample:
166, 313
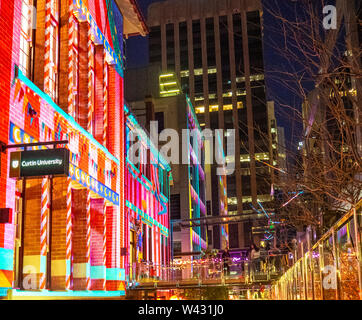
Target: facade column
190, 46
239, 195
88, 236
91, 78
113, 272
205, 74
39, 62
249, 107
98, 113
104, 253
145, 235
98, 268
81, 267
105, 99
66, 97
83, 87
44, 230
61, 234
47, 64
33, 260
163, 48
73, 63
219, 73
177, 50
158, 243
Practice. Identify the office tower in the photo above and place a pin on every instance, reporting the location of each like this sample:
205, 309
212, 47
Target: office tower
216, 50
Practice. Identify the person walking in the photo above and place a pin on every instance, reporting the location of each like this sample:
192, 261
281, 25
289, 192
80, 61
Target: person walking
226, 261
255, 257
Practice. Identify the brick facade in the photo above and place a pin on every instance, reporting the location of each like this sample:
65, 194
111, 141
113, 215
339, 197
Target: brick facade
9, 51
82, 215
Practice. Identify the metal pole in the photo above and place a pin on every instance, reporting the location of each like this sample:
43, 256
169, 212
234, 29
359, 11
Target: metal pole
21, 251
49, 253
358, 250
336, 264
171, 239
321, 266
4, 147
305, 258
311, 264
302, 266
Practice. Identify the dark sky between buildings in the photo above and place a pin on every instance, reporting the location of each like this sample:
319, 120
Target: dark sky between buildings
137, 56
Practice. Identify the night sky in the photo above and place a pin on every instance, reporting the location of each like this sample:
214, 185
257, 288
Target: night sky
137, 56
137, 47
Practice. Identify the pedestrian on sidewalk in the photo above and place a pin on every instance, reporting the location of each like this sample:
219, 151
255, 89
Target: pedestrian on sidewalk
226, 259
255, 257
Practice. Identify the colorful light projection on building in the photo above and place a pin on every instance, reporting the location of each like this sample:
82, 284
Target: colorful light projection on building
114, 55
147, 202
196, 178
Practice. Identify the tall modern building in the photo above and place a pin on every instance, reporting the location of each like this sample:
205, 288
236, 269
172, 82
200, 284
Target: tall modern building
215, 48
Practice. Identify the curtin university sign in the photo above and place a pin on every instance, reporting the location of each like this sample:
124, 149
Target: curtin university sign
40, 163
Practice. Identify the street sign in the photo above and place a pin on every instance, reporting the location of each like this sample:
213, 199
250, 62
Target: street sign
39, 163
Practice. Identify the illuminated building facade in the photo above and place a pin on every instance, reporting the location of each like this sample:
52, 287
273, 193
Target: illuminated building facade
147, 191
220, 183
161, 100
196, 180
62, 79
215, 48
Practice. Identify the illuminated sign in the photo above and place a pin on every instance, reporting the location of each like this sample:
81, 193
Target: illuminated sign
89, 182
39, 163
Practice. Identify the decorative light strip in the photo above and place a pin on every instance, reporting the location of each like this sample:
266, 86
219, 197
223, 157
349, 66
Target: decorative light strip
136, 126
148, 219
146, 183
47, 293
192, 111
195, 197
92, 184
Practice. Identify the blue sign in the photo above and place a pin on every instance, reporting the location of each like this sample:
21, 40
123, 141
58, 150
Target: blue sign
89, 182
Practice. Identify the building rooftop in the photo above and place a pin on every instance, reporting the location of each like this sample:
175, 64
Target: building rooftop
134, 22
181, 10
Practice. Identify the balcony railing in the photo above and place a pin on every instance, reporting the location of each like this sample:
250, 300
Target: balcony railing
331, 268
209, 272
